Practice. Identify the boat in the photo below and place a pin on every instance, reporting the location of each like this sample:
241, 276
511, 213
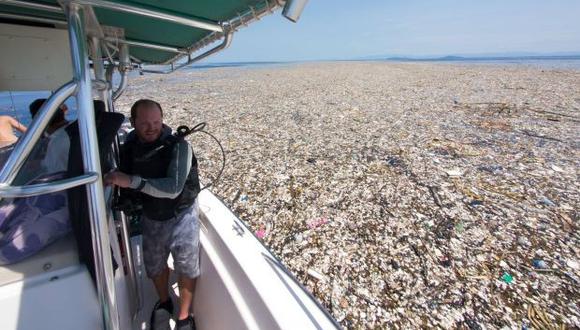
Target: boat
86, 49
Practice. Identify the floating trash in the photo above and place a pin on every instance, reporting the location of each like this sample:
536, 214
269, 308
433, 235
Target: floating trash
507, 278
380, 138
261, 233
493, 169
316, 275
573, 264
454, 172
475, 203
539, 264
545, 201
445, 261
316, 223
557, 168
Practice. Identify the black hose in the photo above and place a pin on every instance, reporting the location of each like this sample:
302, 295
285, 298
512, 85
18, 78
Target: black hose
183, 131
223, 157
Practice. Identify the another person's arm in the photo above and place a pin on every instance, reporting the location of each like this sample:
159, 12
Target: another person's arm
17, 125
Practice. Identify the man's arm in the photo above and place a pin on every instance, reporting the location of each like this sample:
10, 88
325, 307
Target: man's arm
177, 172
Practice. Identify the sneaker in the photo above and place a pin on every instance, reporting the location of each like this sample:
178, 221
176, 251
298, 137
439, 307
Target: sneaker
187, 324
161, 315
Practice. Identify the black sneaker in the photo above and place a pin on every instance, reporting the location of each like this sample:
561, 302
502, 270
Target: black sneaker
161, 315
187, 324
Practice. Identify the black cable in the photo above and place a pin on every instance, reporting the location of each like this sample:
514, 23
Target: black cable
223, 157
183, 131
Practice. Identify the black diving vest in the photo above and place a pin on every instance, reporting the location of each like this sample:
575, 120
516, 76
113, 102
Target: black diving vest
155, 166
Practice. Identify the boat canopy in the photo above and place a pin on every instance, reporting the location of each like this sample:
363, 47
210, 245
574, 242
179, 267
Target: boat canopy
157, 32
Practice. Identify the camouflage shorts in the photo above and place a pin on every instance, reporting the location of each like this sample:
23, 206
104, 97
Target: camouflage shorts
178, 236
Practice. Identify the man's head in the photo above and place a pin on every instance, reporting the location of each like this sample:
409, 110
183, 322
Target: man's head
147, 119
57, 119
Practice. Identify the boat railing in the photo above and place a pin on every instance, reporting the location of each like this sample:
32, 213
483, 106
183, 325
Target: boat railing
48, 187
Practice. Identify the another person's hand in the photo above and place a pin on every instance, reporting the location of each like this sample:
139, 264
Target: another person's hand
118, 178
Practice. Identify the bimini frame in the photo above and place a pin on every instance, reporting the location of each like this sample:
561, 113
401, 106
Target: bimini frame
184, 56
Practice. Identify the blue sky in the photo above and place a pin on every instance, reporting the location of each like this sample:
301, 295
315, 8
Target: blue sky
341, 29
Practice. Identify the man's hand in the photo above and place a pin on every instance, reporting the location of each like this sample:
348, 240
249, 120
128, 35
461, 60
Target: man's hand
118, 178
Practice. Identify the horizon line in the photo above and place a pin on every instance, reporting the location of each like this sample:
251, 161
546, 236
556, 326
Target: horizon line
571, 56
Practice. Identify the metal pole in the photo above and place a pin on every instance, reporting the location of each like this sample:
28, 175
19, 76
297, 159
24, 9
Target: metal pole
33, 18
136, 302
225, 44
107, 95
95, 193
177, 19
148, 45
47, 188
99, 69
33, 5
124, 67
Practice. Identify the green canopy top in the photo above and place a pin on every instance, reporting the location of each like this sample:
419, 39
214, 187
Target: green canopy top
157, 31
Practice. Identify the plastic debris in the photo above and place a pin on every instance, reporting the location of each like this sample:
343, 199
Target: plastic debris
316, 274
454, 172
475, 203
545, 201
523, 241
557, 168
573, 264
317, 222
446, 262
382, 134
261, 233
493, 169
539, 264
459, 227
507, 278
298, 238
394, 161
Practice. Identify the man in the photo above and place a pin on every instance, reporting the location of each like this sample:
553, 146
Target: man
7, 125
57, 121
55, 156
163, 170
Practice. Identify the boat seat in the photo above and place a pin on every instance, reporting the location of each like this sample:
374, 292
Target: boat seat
60, 254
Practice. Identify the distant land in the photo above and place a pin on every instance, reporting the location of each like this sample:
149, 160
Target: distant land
514, 56
478, 57
451, 58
